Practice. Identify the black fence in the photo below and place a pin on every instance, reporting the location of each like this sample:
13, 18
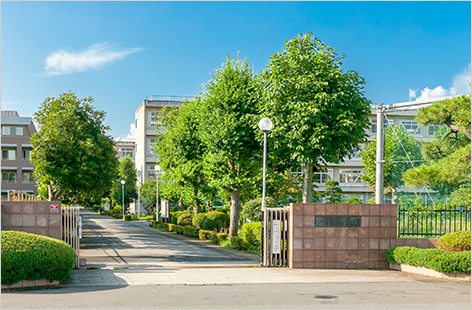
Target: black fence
431, 224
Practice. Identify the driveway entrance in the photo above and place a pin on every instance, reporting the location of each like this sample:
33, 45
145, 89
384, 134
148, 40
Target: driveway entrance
108, 242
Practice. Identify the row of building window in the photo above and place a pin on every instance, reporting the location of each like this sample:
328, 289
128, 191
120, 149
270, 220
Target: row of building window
409, 125
10, 177
12, 131
122, 152
10, 154
345, 175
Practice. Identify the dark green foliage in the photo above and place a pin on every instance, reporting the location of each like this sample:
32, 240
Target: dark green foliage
127, 217
191, 231
238, 243
178, 229
203, 234
251, 234
215, 220
72, 153
222, 236
436, 259
455, 242
198, 219
175, 216
148, 195
213, 237
185, 219
32, 257
252, 210
333, 192
116, 212
127, 172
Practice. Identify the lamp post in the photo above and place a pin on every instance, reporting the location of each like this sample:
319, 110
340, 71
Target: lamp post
265, 125
123, 196
157, 168
139, 193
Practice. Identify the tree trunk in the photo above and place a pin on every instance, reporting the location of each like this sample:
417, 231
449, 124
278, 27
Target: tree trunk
181, 204
234, 215
307, 184
196, 209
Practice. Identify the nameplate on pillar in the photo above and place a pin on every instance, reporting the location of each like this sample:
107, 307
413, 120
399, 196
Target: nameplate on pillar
338, 221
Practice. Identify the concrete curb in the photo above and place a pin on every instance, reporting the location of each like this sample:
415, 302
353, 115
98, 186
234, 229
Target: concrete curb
30, 284
465, 277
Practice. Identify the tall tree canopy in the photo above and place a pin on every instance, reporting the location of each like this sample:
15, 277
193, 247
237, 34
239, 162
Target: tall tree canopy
126, 172
73, 156
319, 112
450, 152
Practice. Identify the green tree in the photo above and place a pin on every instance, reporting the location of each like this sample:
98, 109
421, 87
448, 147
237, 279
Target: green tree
148, 195
396, 160
226, 129
126, 172
73, 156
450, 153
319, 112
333, 192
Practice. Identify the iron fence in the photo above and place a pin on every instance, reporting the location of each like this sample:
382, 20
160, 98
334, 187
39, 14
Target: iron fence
274, 241
431, 224
72, 229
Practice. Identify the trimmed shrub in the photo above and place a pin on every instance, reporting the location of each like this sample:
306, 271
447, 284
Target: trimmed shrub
175, 216
213, 237
455, 242
203, 234
191, 231
134, 217
185, 219
238, 243
252, 210
178, 229
127, 217
116, 212
251, 234
215, 220
222, 237
197, 220
32, 257
436, 259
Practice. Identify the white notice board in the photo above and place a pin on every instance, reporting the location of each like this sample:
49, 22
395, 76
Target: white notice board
275, 240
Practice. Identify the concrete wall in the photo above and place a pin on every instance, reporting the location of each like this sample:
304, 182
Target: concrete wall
417, 243
361, 247
33, 217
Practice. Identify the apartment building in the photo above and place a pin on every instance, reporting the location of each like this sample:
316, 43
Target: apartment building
146, 124
17, 170
348, 172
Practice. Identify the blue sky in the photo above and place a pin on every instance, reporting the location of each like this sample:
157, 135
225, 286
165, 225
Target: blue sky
120, 53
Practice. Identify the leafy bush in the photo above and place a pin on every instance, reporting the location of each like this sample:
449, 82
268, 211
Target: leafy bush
252, 210
170, 227
191, 231
203, 234
353, 200
185, 219
222, 237
455, 242
32, 257
225, 209
127, 217
436, 259
197, 220
213, 237
251, 234
175, 216
116, 212
178, 229
134, 217
215, 220
238, 243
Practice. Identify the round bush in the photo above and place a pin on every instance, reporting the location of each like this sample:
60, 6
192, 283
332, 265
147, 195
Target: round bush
185, 219
175, 216
455, 242
32, 257
251, 234
215, 220
252, 210
197, 220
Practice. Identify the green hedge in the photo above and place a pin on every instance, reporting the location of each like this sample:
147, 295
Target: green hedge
251, 234
32, 257
455, 242
436, 259
191, 231
175, 216
185, 219
203, 234
215, 220
198, 219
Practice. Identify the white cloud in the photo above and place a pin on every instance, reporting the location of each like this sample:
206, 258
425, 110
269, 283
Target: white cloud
460, 86
132, 132
94, 57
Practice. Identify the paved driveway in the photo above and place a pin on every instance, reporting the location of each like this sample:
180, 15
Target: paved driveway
108, 242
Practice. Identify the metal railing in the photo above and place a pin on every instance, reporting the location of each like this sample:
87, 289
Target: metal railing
20, 196
72, 228
169, 98
274, 242
431, 224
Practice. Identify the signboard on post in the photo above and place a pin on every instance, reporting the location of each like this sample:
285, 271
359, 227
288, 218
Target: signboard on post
275, 238
80, 227
54, 208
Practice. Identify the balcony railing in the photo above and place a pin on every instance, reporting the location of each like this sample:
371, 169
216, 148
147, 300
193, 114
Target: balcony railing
169, 98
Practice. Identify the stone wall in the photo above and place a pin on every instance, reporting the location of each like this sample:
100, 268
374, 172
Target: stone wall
361, 247
33, 217
421, 243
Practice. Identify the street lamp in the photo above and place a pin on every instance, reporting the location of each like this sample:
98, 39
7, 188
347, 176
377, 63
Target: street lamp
139, 193
265, 125
157, 168
123, 196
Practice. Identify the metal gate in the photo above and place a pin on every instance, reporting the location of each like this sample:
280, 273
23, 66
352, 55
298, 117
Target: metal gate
72, 229
274, 241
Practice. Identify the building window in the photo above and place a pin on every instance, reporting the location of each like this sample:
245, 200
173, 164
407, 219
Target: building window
151, 172
27, 177
12, 131
412, 127
27, 154
298, 170
8, 177
432, 129
153, 118
350, 176
122, 152
323, 176
373, 124
9, 154
151, 142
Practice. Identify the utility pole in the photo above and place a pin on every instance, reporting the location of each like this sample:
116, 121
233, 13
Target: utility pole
379, 175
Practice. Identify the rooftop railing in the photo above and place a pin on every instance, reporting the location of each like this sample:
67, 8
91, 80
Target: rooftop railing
169, 98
